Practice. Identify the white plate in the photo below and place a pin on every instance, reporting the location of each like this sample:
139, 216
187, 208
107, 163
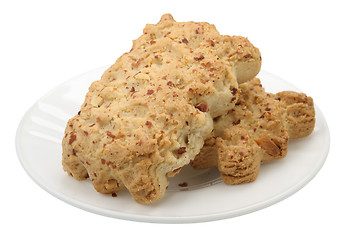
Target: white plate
38, 144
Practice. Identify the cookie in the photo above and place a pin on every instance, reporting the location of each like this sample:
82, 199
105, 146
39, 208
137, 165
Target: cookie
151, 111
262, 115
239, 156
268, 120
300, 113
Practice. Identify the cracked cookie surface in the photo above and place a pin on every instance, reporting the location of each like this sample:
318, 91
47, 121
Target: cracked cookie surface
151, 111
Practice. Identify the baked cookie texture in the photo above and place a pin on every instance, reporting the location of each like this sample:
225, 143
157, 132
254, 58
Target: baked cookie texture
151, 111
241, 156
257, 130
300, 113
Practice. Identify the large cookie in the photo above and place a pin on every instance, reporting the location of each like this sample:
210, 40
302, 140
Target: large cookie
151, 111
257, 130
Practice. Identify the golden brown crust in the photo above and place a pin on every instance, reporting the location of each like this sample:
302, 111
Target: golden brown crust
267, 120
208, 156
300, 113
151, 111
239, 156
262, 115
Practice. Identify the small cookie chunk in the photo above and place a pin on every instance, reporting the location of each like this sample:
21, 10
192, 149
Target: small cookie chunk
239, 157
151, 111
300, 113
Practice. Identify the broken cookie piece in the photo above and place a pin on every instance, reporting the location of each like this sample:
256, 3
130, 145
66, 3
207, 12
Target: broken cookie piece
300, 113
241, 156
264, 119
262, 116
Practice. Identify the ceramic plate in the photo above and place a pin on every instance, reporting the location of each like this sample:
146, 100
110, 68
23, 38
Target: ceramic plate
206, 198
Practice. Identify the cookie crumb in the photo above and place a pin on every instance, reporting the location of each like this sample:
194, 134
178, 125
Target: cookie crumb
183, 184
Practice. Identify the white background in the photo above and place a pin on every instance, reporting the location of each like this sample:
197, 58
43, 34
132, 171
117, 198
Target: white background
44, 43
